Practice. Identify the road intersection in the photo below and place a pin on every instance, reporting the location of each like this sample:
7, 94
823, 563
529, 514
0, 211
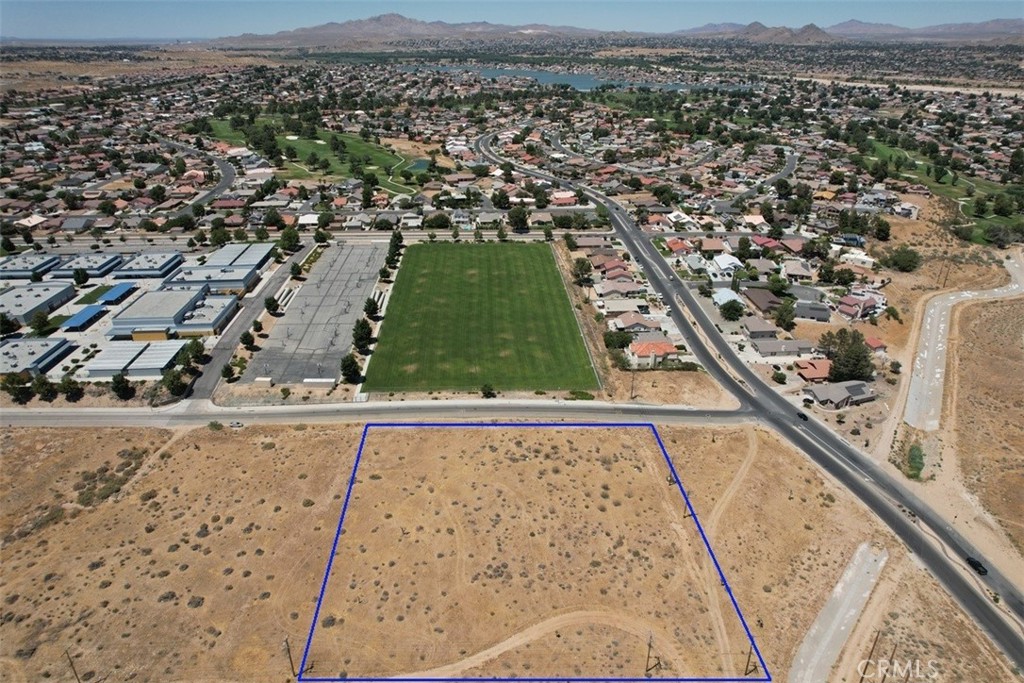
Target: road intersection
914, 523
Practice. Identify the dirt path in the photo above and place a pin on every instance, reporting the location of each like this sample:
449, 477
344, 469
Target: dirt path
723, 502
636, 626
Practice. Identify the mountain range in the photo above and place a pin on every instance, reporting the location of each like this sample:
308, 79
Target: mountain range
391, 27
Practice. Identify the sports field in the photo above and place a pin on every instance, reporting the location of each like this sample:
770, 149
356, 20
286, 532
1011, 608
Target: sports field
465, 315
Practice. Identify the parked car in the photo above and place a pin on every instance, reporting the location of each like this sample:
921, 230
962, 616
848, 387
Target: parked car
235, 425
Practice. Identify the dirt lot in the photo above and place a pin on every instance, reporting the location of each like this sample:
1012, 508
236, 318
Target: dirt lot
213, 552
987, 416
417, 150
30, 76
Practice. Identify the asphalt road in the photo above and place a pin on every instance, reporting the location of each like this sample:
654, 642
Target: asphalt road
927, 383
227, 175
787, 170
910, 519
905, 514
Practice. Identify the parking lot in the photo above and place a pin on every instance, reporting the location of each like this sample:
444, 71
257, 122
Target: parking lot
308, 342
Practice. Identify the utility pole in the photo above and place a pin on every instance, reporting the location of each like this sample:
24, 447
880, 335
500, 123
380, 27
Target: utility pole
648, 667
751, 665
72, 663
871, 653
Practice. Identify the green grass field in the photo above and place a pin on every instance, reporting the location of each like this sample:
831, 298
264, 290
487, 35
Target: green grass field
380, 159
465, 315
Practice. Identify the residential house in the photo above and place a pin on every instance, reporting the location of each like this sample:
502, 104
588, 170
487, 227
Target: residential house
634, 322
645, 355
813, 371
761, 299
841, 394
758, 328
722, 296
781, 347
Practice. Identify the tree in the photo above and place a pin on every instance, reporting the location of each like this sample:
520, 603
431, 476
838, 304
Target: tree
980, 206
71, 388
158, 193
500, 199
257, 326
228, 371
548, 234
478, 235
731, 310
350, 371
321, 236
247, 340
1003, 205
883, 231
487, 391
44, 388
502, 234
438, 221
850, 355
844, 277
903, 259
173, 382
8, 245
296, 270
384, 273
121, 387
617, 339
778, 285
570, 241
432, 236
8, 325
39, 322
362, 335
219, 236
289, 240
581, 269
519, 219
371, 308
14, 386
785, 315
272, 305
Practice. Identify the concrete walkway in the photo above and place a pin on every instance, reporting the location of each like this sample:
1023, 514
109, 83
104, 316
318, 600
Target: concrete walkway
924, 399
827, 635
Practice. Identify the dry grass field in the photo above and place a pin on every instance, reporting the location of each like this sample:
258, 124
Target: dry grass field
987, 350
552, 553
213, 550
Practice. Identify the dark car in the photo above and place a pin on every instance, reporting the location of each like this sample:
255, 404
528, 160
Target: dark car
976, 565
802, 416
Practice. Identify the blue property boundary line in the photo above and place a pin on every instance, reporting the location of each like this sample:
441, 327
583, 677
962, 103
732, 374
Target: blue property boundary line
531, 425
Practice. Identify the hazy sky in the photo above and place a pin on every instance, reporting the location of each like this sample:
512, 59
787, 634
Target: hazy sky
95, 19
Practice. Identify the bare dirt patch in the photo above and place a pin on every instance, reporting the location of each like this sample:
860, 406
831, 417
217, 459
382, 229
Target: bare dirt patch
988, 413
499, 538
213, 553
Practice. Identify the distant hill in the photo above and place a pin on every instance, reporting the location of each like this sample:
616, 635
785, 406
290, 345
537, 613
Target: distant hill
375, 31
1009, 29
391, 27
715, 29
